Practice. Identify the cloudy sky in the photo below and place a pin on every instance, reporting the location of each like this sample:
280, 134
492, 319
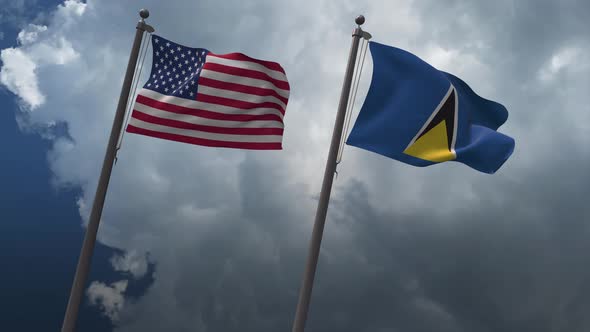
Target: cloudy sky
202, 239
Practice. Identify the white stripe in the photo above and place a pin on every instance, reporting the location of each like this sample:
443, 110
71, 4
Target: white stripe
193, 104
277, 75
205, 135
207, 90
456, 117
204, 121
244, 81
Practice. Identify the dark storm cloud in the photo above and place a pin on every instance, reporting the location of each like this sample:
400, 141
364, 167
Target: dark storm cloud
516, 39
510, 264
522, 33
511, 259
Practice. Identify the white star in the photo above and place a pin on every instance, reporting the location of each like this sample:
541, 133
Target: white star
170, 79
173, 87
175, 58
182, 55
156, 40
167, 44
159, 71
179, 82
155, 81
166, 55
186, 62
180, 65
157, 86
174, 69
154, 76
170, 62
161, 48
171, 51
162, 60
193, 83
162, 76
149, 84
165, 67
191, 94
166, 89
168, 73
157, 53
178, 48
156, 65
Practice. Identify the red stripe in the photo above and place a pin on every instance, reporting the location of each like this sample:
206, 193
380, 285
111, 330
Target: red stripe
246, 73
241, 88
238, 103
210, 129
204, 113
243, 57
205, 142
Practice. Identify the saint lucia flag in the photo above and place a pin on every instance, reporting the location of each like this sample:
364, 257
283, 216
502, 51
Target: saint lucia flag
421, 116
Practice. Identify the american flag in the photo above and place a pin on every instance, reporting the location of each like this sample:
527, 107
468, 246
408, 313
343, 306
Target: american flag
220, 100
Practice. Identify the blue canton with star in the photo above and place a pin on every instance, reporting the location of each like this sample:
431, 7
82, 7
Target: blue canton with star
175, 68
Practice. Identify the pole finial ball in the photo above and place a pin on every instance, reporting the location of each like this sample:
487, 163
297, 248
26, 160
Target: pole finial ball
360, 20
144, 13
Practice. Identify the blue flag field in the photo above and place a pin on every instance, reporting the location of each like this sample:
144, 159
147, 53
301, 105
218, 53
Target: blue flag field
421, 116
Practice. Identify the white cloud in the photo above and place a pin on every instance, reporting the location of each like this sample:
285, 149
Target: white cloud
109, 299
131, 262
462, 63
18, 75
72, 8
39, 49
30, 34
19, 72
561, 60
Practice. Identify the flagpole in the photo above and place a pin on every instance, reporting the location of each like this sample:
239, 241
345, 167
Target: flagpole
322, 210
83, 268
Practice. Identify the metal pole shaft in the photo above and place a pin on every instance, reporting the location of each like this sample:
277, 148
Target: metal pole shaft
83, 268
322, 210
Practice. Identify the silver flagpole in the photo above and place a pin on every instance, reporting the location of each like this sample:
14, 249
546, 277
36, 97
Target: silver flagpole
320, 217
83, 268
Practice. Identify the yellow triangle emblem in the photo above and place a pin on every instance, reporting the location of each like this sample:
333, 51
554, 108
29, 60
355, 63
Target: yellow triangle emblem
436, 140
432, 146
